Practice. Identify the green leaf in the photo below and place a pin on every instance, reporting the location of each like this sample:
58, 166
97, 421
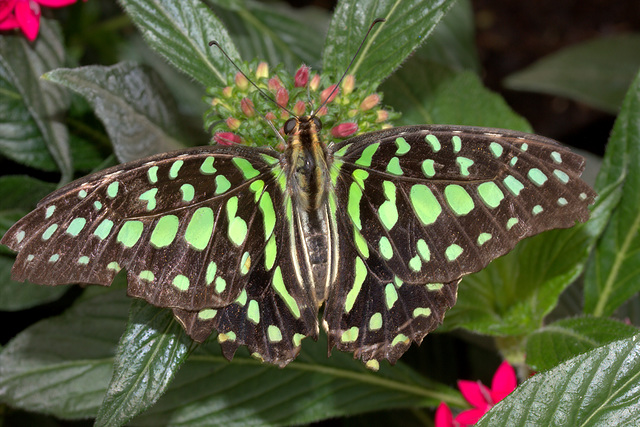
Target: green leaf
31, 109
452, 42
597, 72
132, 103
567, 338
408, 24
181, 32
514, 293
18, 196
613, 275
149, 355
441, 98
61, 366
598, 388
20, 296
276, 33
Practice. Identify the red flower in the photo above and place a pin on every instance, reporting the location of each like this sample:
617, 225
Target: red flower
302, 76
25, 14
227, 138
331, 92
480, 397
344, 130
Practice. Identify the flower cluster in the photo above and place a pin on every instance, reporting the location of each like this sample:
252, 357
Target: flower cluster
480, 397
240, 114
25, 14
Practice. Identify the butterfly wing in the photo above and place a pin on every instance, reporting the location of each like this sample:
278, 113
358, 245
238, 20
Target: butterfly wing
196, 230
429, 204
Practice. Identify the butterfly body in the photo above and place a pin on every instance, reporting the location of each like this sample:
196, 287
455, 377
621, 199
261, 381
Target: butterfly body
251, 242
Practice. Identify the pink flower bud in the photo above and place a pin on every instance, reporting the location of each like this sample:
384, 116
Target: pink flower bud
227, 138
329, 91
322, 111
282, 96
383, 116
348, 84
299, 108
344, 130
369, 102
270, 116
233, 123
315, 82
247, 107
262, 70
227, 92
302, 76
274, 84
241, 81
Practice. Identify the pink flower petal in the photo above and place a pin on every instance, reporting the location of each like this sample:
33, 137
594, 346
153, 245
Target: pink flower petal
28, 16
9, 23
474, 392
504, 382
6, 7
55, 3
444, 417
471, 416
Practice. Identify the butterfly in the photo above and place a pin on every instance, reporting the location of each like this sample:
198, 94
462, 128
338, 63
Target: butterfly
252, 242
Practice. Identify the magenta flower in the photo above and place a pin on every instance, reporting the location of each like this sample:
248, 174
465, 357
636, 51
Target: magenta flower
344, 130
227, 138
25, 14
480, 397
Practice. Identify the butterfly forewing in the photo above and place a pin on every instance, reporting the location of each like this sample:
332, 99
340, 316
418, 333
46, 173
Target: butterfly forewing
421, 206
185, 225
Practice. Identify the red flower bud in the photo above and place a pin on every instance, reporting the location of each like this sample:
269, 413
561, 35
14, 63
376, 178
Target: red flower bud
274, 84
302, 76
233, 123
227, 138
369, 102
322, 111
348, 84
270, 116
315, 82
299, 108
344, 130
383, 115
241, 81
282, 96
262, 70
329, 92
247, 107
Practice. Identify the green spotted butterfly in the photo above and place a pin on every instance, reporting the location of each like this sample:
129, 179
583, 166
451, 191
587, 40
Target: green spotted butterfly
251, 241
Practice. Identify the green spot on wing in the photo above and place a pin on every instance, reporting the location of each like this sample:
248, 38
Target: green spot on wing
165, 231
375, 322
453, 252
76, 226
152, 174
253, 312
274, 333
112, 189
200, 228
175, 168
458, 199
367, 155
206, 168
403, 146
222, 184
390, 295
188, 192
490, 194
103, 230
434, 142
425, 204
150, 197
393, 167
245, 167
360, 275
281, 290
350, 335
212, 268
130, 233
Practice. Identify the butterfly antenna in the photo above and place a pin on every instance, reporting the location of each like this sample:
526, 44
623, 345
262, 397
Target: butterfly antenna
263, 93
375, 21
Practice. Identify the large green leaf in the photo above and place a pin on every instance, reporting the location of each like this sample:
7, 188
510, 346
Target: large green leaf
408, 24
613, 275
598, 388
181, 32
62, 366
566, 338
149, 355
31, 110
597, 72
275, 32
133, 104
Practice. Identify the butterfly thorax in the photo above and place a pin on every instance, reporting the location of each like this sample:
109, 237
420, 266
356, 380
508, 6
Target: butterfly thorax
308, 182
307, 163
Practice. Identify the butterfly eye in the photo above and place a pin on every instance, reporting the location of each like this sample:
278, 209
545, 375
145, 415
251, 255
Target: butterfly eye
317, 123
290, 125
